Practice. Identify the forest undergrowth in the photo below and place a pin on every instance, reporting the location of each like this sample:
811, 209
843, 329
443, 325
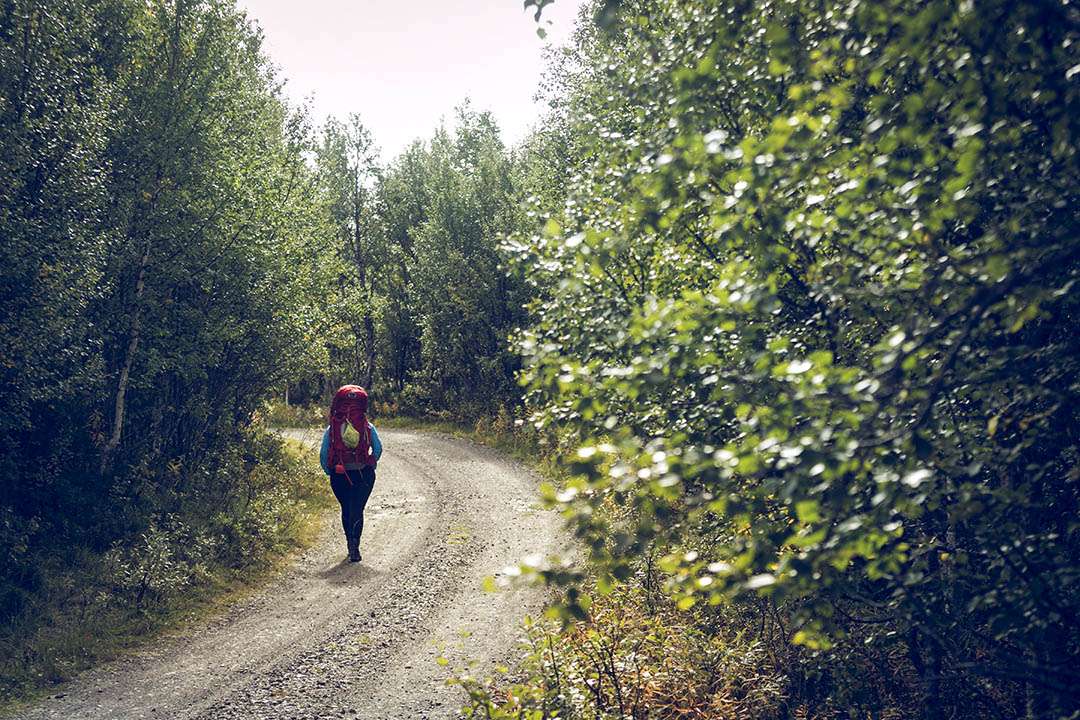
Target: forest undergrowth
92, 606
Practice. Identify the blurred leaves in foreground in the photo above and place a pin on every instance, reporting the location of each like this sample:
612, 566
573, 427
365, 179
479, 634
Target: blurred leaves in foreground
807, 300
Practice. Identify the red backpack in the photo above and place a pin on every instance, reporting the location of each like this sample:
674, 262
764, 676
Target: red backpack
348, 419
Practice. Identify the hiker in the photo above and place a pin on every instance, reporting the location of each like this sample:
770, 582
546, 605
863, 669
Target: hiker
350, 451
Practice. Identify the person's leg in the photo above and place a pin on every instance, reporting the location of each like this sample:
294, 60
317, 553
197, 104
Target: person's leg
363, 491
355, 502
340, 485
354, 510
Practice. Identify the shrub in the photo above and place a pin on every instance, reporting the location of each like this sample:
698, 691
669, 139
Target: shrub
808, 299
637, 658
86, 604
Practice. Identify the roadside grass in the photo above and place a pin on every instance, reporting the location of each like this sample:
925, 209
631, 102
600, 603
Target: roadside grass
276, 414
92, 607
499, 433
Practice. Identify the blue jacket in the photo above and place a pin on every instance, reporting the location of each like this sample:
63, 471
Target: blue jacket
324, 452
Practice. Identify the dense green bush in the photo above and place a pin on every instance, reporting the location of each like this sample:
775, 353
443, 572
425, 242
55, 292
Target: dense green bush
809, 303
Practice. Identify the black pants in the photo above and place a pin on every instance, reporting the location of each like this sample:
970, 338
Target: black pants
353, 497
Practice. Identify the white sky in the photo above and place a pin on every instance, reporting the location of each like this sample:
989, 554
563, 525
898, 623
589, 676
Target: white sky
403, 65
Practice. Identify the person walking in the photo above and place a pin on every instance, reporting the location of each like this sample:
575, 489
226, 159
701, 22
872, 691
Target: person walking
349, 455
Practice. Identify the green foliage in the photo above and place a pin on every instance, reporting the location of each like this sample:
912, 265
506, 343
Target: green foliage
808, 303
423, 305
164, 259
347, 170
443, 304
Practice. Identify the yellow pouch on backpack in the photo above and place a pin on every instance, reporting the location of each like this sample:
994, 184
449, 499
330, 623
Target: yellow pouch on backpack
350, 435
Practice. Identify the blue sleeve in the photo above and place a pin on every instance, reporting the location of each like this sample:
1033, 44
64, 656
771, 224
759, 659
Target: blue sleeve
376, 443
324, 451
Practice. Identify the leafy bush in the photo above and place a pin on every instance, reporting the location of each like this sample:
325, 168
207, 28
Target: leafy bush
159, 564
808, 299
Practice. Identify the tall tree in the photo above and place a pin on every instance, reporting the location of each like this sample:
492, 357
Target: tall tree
165, 258
348, 170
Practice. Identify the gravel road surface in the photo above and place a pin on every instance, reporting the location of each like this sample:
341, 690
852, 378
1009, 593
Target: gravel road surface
329, 638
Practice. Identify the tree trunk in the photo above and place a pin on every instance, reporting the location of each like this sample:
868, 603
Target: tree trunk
369, 340
129, 360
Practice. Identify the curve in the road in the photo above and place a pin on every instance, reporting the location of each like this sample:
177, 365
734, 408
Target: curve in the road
334, 639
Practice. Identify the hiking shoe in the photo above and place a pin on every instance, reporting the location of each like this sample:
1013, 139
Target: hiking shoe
354, 549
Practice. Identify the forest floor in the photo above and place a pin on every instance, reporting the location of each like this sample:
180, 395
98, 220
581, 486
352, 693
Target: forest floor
329, 638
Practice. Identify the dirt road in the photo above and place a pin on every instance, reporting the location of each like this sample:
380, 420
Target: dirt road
334, 639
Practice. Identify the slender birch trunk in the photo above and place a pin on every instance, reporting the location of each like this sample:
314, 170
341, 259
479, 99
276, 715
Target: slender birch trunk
129, 360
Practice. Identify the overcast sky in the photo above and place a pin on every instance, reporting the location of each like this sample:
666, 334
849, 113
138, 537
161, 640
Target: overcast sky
403, 64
